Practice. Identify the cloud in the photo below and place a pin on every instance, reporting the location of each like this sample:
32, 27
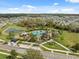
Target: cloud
21, 9
29, 6
73, 1
68, 10
40, 9
55, 4
12, 8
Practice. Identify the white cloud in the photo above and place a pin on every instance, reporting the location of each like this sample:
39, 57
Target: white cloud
63, 10
73, 1
12, 8
55, 4
40, 9
29, 6
67, 9
21, 9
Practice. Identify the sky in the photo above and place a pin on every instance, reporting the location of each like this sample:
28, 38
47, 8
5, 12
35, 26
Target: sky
39, 6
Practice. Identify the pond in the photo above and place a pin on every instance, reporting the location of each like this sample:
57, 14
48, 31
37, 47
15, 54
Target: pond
38, 32
13, 30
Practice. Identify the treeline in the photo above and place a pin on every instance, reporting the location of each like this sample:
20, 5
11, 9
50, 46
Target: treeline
35, 15
29, 54
32, 23
70, 28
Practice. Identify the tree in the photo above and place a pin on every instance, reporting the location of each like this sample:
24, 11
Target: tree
0, 31
10, 35
33, 38
75, 48
24, 57
33, 54
13, 55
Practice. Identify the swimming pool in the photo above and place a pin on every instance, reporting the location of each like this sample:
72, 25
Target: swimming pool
38, 32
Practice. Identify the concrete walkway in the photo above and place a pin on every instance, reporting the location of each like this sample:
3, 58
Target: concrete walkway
4, 53
62, 45
51, 40
47, 55
53, 50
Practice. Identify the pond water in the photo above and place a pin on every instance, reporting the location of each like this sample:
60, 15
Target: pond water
13, 30
38, 32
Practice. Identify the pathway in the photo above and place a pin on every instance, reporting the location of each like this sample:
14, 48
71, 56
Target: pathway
47, 55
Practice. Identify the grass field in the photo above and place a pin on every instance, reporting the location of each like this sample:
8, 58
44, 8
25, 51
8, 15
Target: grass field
69, 38
2, 56
53, 45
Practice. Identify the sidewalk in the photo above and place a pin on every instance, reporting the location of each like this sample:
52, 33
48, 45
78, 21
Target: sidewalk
4, 53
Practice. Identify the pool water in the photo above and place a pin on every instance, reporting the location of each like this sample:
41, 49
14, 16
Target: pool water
38, 32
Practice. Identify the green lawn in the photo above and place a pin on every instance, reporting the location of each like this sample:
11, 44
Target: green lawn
2, 56
53, 45
4, 37
69, 38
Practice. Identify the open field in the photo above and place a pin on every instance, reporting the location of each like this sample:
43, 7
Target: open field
2, 56
53, 45
69, 38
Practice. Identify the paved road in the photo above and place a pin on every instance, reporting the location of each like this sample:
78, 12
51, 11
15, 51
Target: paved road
9, 48
47, 55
